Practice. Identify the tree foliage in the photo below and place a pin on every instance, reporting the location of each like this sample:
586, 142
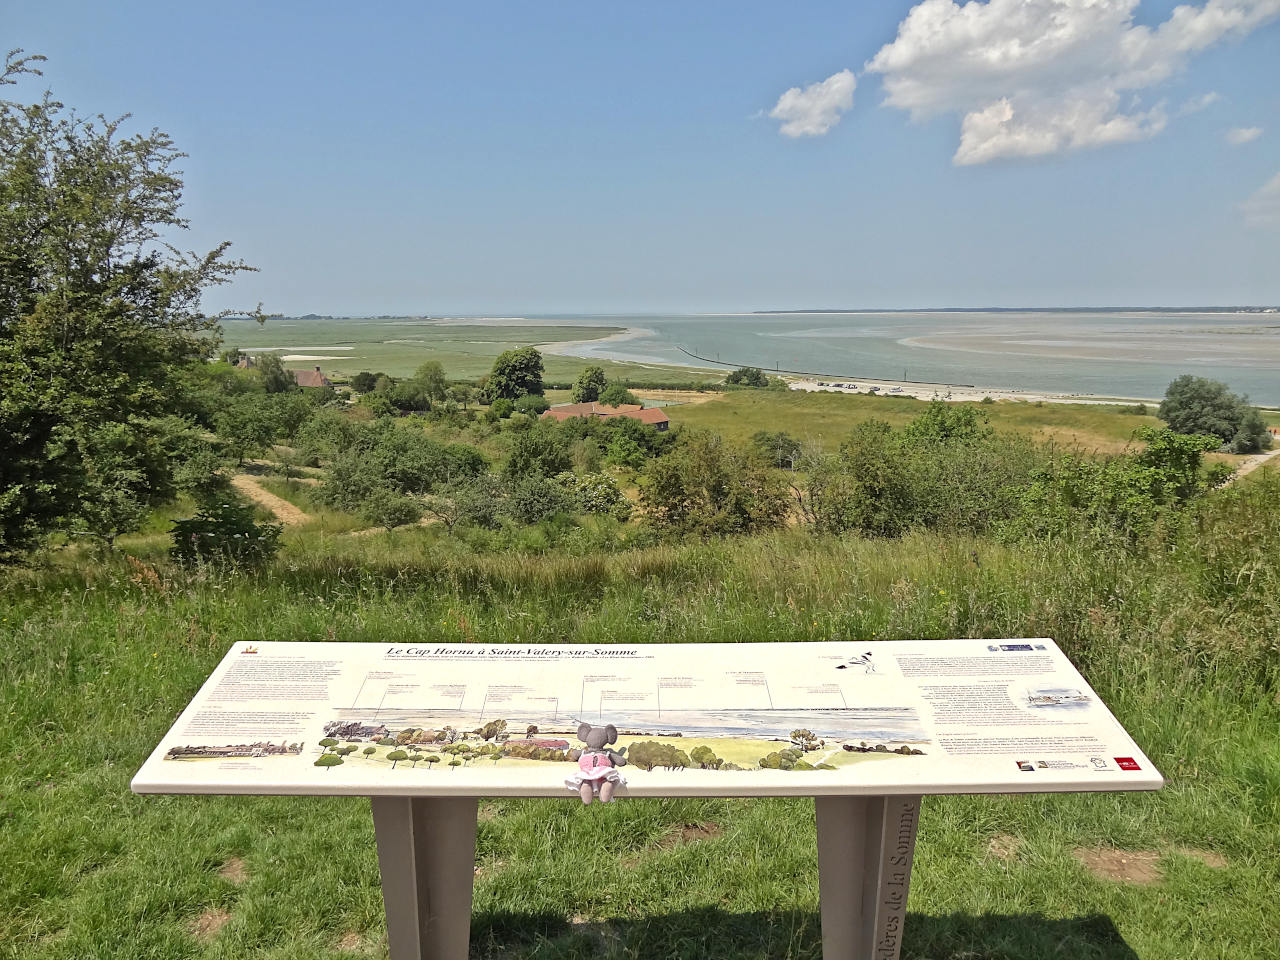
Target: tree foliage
617, 395
747, 377
97, 313
514, 373
586, 389
1195, 405
708, 487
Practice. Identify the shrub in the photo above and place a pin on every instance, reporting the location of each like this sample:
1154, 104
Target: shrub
617, 394
747, 377
532, 404
707, 487
390, 510
596, 493
225, 533
534, 499
501, 408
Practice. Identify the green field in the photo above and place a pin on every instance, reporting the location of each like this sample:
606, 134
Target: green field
98, 656
823, 420
399, 346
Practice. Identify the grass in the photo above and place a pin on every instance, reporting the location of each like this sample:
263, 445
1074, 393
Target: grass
398, 347
96, 659
825, 419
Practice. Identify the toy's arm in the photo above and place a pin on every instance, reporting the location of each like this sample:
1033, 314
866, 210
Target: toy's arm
574, 754
617, 757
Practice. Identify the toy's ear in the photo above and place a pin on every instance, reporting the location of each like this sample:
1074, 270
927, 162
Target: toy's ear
612, 733
583, 730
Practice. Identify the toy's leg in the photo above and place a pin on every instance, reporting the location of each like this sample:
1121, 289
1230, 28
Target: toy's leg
606, 791
585, 791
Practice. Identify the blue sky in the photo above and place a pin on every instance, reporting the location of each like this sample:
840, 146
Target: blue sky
508, 158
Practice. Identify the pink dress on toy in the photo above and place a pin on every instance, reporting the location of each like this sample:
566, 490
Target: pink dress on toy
594, 768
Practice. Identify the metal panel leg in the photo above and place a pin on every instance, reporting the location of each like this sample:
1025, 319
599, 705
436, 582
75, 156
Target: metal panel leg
865, 848
427, 855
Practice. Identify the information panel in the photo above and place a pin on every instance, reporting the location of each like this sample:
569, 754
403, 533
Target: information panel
754, 719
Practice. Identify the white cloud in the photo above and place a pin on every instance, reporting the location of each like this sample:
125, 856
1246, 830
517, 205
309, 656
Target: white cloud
813, 111
1263, 208
1239, 135
1196, 104
1036, 77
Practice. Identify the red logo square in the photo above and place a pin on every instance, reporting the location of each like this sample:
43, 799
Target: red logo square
1127, 763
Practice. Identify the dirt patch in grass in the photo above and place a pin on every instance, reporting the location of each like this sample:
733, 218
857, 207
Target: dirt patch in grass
696, 832
234, 870
206, 926
352, 942
1140, 867
1209, 858
1004, 847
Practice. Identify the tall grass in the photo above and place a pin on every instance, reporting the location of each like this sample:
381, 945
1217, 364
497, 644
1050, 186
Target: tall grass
1177, 633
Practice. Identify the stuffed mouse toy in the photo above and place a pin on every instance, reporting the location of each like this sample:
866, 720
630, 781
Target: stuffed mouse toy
597, 763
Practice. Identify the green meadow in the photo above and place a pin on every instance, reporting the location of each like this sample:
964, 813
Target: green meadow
398, 346
98, 653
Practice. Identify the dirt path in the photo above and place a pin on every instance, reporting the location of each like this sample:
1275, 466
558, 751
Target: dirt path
1253, 463
284, 511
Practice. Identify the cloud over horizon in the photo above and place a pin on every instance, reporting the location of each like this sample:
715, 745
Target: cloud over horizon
1263, 208
813, 111
1031, 78
1241, 135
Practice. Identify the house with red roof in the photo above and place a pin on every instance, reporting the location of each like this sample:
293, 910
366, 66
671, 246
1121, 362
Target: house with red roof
311, 378
652, 415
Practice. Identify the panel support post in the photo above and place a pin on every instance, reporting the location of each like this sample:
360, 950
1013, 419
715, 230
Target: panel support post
427, 855
865, 848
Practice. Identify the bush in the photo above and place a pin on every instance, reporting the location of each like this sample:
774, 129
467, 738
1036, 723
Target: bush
747, 377
391, 510
709, 488
534, 499
501, 408
225, 533
532, 404
616, 395
1195, 405
596, 493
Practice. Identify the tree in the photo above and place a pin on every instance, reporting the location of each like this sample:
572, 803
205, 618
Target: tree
269, 368
531, 730
748, 377
390, 510
804, 739
1196, 405
364, 381
514, 373
409, 395
616, 395
431, 760
492, 729
532, 404
781, 449
99, 316
328, 760
395, 756
245, 426
461, 394
430, 377
328, 743
388, 742
587, 387
705, 757
369, 752
710, 488
455, 763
